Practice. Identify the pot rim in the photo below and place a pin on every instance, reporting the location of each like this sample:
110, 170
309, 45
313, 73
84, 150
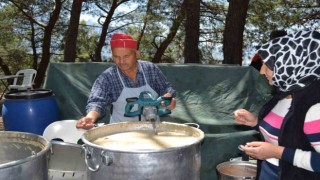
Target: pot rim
45, 142
62, 143
198, 141
235, 163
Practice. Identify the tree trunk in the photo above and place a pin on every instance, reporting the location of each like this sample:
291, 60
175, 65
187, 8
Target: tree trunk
172, 33
45, 59
145, 22
6, 70
104, 31
233, 32
34, 47
70, 49
192, 29
4, 67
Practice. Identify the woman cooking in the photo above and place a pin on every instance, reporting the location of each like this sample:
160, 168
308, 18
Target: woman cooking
290, 122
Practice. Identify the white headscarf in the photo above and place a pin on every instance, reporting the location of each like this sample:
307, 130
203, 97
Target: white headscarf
294, 59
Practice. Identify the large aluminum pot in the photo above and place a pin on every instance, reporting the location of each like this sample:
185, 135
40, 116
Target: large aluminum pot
23, 156
178, 163
237, 170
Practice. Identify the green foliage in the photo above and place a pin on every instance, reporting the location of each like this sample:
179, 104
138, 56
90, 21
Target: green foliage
158, 19
86, 42
13, 47
293, 15
263, 17
213, 14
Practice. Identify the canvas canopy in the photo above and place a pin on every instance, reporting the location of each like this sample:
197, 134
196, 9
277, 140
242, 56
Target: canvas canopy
206, 95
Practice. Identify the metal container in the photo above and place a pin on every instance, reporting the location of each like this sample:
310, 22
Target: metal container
67, 161
23, 156
237, 170
29, 110
178, 163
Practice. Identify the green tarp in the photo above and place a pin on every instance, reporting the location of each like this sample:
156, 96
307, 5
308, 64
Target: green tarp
206, 95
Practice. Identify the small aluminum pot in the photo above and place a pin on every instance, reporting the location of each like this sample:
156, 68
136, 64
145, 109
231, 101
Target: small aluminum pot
181, 162
237, 170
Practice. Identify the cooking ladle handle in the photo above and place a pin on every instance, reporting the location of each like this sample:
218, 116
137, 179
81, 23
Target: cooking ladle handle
195, 125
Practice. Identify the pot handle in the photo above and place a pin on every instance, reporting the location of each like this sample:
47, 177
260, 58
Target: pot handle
106, 160
195, 125
88, 156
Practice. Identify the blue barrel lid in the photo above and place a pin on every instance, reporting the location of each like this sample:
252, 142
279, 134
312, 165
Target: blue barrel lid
29, 94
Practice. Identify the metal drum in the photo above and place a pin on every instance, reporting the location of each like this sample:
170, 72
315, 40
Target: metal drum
67, 162
23, 156
29, 110
237, 170
178, 163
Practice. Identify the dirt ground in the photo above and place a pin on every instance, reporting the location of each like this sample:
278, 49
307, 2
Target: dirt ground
1, 124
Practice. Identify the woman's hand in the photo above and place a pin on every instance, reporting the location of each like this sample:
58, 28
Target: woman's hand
262, 150
245, 117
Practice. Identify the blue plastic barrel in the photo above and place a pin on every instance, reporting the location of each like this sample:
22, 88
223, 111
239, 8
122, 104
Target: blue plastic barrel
29, 110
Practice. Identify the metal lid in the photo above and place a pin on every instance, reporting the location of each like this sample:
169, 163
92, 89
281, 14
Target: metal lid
29, 94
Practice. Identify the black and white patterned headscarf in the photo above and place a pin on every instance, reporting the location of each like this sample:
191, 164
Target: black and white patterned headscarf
294, 59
